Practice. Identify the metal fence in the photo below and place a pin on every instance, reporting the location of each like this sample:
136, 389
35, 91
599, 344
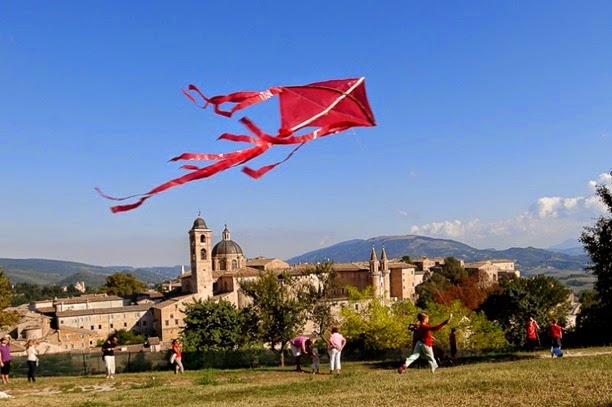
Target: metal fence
91, 363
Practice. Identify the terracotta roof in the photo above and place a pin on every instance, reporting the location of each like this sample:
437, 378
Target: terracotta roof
356, 266
114, 310
260, 261
87, 298
400, 264
172, 301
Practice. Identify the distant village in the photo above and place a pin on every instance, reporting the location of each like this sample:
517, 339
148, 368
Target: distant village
77, 324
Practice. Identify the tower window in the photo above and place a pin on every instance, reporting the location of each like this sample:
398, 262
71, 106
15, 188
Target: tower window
202, 239
203, 254
222, 265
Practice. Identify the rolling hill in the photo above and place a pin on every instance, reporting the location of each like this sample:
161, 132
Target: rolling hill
47, 272
417, 246
529, 260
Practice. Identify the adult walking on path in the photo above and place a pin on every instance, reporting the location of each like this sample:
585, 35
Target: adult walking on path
334, 348
424, 345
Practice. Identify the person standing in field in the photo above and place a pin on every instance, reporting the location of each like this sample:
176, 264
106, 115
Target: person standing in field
555, 332
108, 354
334, 348
177, 349
531, 332
32, 360
5, 358
452, 339
424, 345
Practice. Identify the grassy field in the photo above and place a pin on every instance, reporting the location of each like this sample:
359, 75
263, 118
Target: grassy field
581, 378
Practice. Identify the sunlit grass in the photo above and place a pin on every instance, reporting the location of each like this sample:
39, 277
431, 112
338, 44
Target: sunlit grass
582, 379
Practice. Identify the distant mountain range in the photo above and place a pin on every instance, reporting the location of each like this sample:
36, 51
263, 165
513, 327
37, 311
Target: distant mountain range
418, 246
43, 272
63, 273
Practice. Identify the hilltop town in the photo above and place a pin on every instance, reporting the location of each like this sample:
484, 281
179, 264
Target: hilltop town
77, 324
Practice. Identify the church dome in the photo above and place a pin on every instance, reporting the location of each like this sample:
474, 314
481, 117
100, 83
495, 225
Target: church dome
226, 247
199, 224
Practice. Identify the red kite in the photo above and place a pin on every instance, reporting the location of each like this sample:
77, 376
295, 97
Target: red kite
328, 107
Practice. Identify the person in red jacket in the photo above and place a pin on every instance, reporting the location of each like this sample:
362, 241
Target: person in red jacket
424, 344
555, 332
531, 332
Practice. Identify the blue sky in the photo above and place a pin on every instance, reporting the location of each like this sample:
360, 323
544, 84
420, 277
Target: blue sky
494, 123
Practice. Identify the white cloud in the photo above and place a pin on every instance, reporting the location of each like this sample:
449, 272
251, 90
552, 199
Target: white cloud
548, 221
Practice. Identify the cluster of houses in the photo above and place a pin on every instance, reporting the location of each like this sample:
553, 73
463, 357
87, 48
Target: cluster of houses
78, 324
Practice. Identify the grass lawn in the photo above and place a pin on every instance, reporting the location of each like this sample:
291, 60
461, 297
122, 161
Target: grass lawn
581, 378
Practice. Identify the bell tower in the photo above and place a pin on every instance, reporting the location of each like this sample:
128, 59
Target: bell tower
200, 244
375, 274
384, 265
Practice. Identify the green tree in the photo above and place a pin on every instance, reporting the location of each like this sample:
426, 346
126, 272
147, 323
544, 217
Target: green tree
129, 338
431, 289
371, 326
407, 259
7, 318
435, 288
123, 284
453, 271
323, 291
213, 326
281, 304
596, 318
541, 297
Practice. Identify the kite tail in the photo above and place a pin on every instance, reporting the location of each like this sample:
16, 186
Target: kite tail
240, 100
197, 173
263, 170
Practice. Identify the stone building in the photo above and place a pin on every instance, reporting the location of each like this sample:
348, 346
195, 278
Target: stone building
494, 269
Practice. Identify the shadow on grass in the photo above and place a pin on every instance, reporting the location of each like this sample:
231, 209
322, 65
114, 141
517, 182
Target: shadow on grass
421, 363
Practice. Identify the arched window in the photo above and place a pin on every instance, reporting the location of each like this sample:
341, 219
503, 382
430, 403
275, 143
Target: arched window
222, 265
202, 239
234, 264
203, 254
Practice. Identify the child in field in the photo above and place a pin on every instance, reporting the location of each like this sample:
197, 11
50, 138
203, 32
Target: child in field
555, 332
316, 360
531, 333
424, 345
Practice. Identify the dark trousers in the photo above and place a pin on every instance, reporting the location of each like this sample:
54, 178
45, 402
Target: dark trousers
31, 370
